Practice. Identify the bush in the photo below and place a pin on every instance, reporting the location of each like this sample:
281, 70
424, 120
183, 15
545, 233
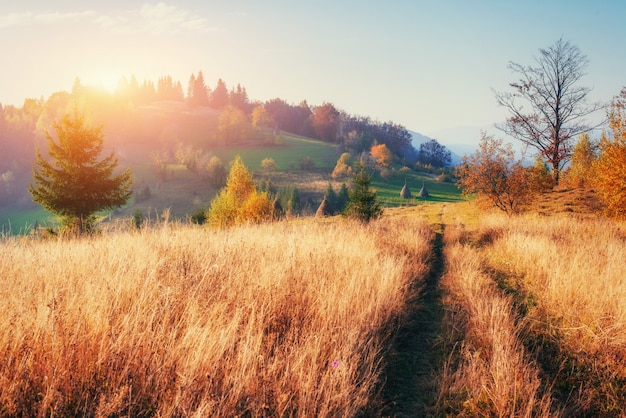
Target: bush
138, 218
217, 172
268, 164
223, 210
306, 163
541, 178
257, 208
199, 217
610, 175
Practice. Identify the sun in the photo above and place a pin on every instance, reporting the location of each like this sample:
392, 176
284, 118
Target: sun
109, 82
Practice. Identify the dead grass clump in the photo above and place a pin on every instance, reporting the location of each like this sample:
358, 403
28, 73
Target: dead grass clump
281, 320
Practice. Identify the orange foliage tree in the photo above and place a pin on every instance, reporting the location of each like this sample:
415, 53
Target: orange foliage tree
325, 121
610, 167
381, 155
493, 175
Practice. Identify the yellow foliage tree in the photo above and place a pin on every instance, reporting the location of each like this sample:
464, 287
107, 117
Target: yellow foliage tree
240, 183
583, 157
239, 201
233, 125
343, 167
257, 208
610, 167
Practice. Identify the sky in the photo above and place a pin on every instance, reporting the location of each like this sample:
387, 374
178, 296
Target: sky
429, 65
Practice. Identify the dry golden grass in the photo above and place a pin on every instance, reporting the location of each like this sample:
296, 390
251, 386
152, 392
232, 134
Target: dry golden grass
281, 319
572, 274
489, 372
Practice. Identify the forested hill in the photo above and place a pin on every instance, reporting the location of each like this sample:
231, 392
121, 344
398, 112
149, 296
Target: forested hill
160, 116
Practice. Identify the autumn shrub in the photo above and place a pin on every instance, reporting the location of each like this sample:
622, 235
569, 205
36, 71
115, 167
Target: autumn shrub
256, 208
541, 177
224, 210
495, 177
381, 154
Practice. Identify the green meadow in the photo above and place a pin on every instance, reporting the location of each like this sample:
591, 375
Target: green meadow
184, 193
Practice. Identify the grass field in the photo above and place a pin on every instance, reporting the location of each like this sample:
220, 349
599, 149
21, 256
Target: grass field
281, 319
286, 156
19, 221
388, 191
301, 317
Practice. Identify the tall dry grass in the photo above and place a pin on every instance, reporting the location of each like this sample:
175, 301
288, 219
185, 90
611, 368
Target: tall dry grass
489, 372
572, 272
282, 319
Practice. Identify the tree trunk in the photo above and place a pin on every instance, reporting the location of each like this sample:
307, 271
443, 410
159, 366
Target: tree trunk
556, 174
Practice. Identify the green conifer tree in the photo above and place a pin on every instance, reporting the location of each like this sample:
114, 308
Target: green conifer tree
75, 185
332, 198
343, 197
363, 205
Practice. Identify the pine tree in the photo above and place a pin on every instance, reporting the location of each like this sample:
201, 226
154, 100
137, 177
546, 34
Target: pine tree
363, 204
75, 185
200, 96
191, 86
343, 197
219, 97
331, 198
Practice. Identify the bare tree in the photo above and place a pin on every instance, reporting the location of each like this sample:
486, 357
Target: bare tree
548, 107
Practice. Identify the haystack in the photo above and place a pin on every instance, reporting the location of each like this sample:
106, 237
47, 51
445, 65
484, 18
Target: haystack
405, 193
423, 192
324, 209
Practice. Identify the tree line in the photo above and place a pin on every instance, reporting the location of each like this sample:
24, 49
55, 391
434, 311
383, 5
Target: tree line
240, 120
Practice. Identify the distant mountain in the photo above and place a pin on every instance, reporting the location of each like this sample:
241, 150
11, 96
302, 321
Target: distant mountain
418, 139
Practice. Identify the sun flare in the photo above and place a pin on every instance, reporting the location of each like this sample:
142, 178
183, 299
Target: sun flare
106, 81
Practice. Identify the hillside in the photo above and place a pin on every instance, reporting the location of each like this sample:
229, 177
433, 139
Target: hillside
162, 130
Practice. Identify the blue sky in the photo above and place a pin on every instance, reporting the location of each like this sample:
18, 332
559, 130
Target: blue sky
428, 65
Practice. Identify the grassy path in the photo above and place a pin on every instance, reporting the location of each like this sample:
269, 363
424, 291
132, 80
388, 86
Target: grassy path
410, 376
